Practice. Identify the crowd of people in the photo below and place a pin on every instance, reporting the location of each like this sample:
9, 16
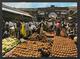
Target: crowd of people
21, 29
18, 29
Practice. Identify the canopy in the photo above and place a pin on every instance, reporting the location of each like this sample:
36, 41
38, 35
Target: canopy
17, 11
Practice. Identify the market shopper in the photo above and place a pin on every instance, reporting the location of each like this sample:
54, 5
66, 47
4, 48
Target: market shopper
27, 28
71, 30
15, 26
63, 29
50, 24
6, 31
58, 27
30, 31
18, 29
23, 30
32, 27
12, 28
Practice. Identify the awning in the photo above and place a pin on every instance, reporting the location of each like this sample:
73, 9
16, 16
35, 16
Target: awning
17, 12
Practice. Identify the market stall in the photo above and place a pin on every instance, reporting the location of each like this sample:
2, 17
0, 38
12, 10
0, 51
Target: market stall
39, 42
9, 42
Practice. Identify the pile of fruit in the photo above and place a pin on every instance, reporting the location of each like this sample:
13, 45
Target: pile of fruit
43, 37
37, 37
29, 49
8, 44
61, 47
64, 47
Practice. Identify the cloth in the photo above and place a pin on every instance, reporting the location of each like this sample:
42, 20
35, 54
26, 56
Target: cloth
23, 31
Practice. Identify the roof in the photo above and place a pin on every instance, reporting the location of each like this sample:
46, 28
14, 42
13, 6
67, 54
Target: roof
35, 9
28, 9
14, 10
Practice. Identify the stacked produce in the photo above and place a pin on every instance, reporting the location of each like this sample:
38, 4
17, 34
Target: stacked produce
8, 44
41, 37
29, 49
37, 37
63, 47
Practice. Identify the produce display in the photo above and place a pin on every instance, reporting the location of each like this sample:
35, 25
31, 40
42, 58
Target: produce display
37, 37
29, 49
42, 38
8, 44
61, 47
64, 47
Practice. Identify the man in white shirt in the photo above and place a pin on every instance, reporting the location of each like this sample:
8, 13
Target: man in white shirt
12, 28
10, 24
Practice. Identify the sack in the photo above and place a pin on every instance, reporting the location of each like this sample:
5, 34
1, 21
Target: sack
22, 40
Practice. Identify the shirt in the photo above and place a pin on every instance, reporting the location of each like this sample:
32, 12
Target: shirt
15, 25
49, 23
27, 26
11, 24
58, 25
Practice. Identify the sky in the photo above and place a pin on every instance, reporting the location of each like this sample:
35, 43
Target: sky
39, 4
